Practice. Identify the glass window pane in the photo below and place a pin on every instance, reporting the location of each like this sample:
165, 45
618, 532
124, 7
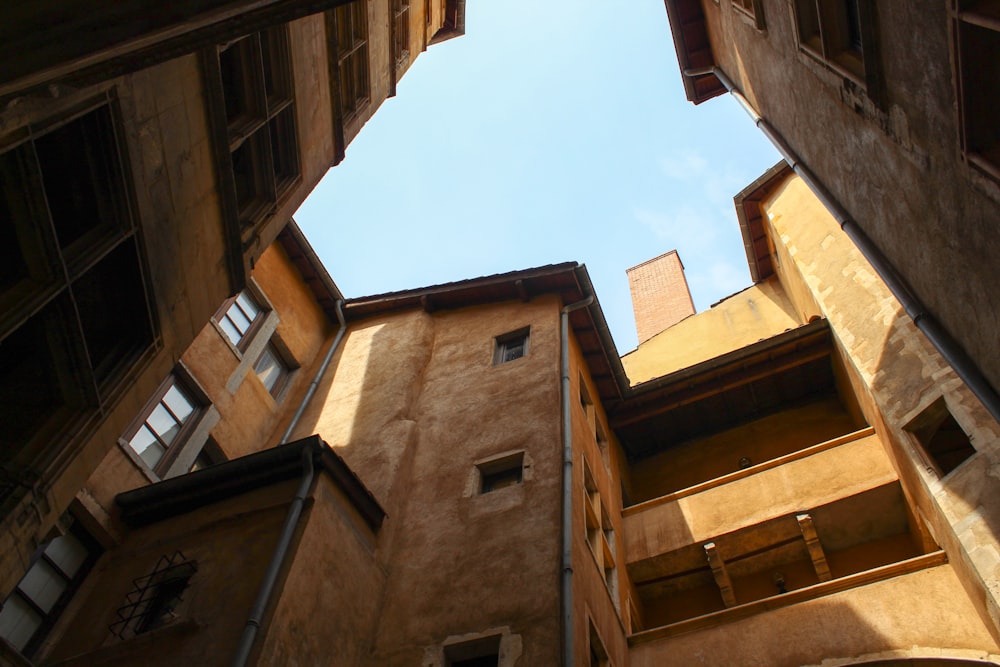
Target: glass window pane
68, 553
248, 305
43, 585
239, 321
18, 622
147, 446
163, 424
269, 368
232, 333
179, 403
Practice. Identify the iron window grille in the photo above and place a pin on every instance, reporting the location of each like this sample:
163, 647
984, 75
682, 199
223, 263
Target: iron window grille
154, 597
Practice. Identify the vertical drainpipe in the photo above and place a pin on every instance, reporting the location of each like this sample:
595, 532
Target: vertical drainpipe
567, 484
250, 630
943, 342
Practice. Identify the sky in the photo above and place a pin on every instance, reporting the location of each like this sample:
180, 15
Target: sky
556, 134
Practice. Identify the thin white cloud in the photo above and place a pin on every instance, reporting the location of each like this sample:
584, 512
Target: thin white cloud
684, 165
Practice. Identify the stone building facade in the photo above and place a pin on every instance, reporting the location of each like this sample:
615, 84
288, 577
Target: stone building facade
140, 187
888, 109
470, 474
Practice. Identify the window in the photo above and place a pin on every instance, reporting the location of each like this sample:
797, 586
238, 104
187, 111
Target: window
483, 652
74, 312
210, 455
155, 597
400, 31
597, 655
752, 9
260, 118
272, 370
837, 32
157, 437
977, 39
238, 318
501, 473
349, 40
600, 532
510, 346
941, 437
31, 610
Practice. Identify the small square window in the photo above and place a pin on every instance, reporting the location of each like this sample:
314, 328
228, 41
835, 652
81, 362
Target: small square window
501, 473
511, 346
155, 597
484, 652
941, 437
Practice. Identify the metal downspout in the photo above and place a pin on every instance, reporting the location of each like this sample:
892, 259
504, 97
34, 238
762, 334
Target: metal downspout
277, 560
567, 483
249, 635
942, 341
319, 373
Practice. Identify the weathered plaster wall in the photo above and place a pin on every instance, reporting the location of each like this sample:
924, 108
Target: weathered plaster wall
216, 604
896, 375
413, 402
888, 615
756, 313
895, 165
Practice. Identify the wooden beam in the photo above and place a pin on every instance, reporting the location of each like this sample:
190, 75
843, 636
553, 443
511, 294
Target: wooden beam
815, 548
720, 573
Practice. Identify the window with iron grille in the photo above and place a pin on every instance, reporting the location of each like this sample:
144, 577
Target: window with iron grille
155, 597
976, 27
349, 40
75, 316
259, 103
34, 605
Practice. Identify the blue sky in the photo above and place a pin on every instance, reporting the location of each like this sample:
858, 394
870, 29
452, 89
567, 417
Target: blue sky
559, 134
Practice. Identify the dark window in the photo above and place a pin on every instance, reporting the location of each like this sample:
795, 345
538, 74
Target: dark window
501, 473
74, 310
32, 608
753, 9
941, 437
483, 652
155, 597
977, 37
833, 31
510, 346
598, 656
211, 454
260, 117
350, 43
165, 424
400, 30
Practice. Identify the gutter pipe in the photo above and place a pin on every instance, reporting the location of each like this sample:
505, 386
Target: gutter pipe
319, 373
567, 483
252, 626
943, 341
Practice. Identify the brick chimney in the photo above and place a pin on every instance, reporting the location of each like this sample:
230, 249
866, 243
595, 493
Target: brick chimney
660, 294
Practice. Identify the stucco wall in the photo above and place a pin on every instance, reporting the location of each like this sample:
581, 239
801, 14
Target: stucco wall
758, 312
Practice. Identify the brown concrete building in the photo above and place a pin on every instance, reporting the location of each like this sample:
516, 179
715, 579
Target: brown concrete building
793, 477
887, 109
146, 166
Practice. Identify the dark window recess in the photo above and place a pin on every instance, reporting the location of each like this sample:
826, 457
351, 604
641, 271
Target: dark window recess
400, 30
74, 310
839, 32
501, 473
598, 656
484, 652
259, 103
154, 598
511, 346
941, 437
32, 608
977, 36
